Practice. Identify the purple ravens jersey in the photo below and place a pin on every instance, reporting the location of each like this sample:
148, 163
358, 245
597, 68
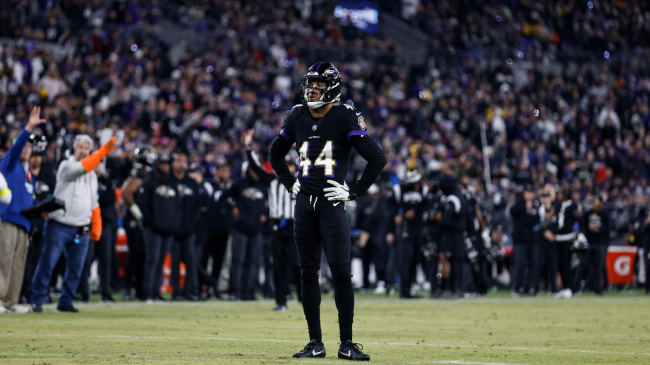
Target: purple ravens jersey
323, 144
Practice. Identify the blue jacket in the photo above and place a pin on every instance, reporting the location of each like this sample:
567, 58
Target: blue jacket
20, 184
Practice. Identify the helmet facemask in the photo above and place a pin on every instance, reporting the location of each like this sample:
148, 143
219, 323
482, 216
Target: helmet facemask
327, 74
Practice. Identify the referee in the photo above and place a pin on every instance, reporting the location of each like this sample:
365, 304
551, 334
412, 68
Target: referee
283, 247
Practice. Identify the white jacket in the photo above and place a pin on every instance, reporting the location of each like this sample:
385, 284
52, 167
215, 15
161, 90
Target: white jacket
78, 189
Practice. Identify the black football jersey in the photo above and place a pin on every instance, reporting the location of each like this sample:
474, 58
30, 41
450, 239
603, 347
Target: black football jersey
322, 144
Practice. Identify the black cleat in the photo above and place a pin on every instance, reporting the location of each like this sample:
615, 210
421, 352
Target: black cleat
70, 309
37, 308
352, 351
313, 349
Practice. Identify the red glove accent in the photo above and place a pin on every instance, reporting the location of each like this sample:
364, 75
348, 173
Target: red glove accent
96, 225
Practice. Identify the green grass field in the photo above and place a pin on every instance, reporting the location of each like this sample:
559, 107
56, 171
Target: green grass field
498, 329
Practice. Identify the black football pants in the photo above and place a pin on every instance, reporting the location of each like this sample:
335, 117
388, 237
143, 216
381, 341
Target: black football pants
319, 224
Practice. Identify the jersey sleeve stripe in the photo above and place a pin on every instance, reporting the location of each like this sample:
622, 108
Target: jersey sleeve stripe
286, 136
357, 133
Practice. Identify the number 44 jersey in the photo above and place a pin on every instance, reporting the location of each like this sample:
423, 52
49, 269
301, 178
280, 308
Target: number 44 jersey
323, 144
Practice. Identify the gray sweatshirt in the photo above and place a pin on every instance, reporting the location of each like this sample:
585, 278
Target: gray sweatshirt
78, 189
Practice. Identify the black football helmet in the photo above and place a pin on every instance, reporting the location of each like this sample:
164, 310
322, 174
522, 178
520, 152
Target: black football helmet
39, 144
144, 158
327, 73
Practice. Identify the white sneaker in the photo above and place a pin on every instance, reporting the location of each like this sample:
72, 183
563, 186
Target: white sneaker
381, 288
564, 294
3, 310
18, 309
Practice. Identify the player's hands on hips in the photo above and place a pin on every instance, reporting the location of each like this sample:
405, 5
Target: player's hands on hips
295, 189
339, 192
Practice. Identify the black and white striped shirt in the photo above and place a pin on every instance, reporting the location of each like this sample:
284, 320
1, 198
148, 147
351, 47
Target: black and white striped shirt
281, 202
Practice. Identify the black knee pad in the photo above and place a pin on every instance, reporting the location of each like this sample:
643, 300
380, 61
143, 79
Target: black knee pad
341, 272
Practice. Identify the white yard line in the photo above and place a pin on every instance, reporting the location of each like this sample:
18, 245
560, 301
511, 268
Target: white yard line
458, 362
334, 343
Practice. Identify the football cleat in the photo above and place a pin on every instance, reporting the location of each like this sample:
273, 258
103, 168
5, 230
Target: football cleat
352, 351
313, 349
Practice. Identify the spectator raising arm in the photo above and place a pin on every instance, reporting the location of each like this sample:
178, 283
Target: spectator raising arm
254, 161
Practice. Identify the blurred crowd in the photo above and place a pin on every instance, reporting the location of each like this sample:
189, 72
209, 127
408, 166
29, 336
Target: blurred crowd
579, 128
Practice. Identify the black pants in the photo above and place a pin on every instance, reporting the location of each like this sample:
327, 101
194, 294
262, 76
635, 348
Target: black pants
379, 249
246, 261
452, 245
183, 250
135, 261
285, 263
548, 255
479, 271
156, 248
33, 254
84, 286
409, 251
391, 261
268, 288
525, 268
102, 251
321, 224
593, 261
564, 262
215, 246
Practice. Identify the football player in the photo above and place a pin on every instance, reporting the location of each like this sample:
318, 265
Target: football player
324, 134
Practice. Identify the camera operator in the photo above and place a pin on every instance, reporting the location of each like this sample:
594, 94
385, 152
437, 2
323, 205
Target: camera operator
596, 230
525, 216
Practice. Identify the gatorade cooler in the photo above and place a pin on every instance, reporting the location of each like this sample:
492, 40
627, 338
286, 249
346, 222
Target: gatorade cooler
620, 264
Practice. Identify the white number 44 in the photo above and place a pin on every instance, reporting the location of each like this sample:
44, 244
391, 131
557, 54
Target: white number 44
324, 159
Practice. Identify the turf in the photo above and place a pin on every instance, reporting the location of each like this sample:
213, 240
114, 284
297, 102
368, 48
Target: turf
614, 329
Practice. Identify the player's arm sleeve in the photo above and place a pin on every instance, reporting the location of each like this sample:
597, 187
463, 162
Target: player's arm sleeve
5, 193
368, 149
255, 164
281, 146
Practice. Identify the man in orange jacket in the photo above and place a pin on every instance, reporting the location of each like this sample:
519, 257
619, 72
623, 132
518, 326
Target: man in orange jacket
69, 230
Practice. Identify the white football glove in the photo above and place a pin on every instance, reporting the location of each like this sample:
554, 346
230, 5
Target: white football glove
338, 192
136, 212
295, 189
